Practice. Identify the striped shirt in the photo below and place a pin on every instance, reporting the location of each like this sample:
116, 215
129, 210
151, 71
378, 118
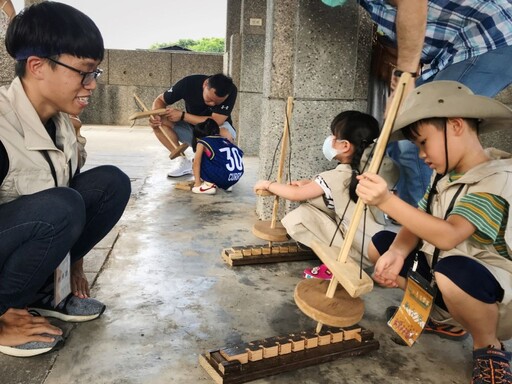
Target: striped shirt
456, 29
327, 196
487, 212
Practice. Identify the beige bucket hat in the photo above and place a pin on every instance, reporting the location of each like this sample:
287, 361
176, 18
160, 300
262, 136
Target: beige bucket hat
445, 98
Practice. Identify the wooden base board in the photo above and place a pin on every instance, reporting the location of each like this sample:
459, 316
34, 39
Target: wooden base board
338, 311
178, 151
263, 254
263, 230
184, 185
310, 349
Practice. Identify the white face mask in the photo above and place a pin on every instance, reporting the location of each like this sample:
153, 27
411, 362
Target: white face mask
329, 152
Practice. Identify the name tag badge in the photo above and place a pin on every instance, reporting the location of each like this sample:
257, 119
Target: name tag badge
412, 315
62, 282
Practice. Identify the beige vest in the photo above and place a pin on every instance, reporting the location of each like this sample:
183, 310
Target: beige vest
494, 177
26, 139
313, 221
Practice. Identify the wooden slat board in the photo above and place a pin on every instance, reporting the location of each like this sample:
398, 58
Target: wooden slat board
324, 347
263, 254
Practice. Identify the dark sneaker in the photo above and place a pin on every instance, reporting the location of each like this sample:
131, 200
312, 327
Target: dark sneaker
72, 308
491, 365
33, 348
445, 331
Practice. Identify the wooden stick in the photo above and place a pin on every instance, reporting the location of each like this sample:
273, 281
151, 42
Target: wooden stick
147, 113
375, 163
282, 157
178, 149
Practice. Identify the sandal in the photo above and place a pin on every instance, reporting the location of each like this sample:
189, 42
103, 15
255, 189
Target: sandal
320, 272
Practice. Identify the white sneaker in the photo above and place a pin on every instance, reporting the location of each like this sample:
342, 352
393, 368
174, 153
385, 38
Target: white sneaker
182, 166
206, 189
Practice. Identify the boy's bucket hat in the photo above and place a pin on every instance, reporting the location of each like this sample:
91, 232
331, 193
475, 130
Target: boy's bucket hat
445, 98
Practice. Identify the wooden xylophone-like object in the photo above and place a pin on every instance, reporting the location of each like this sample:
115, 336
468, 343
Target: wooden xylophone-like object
262, 254
261, 358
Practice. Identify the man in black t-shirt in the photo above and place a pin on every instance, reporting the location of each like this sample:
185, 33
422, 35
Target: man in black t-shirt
205, 97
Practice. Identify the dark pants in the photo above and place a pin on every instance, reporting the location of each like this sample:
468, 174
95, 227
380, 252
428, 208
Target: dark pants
469, 275
38, 230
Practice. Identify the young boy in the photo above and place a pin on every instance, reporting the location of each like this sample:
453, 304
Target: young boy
217, 161
464, 218
49, 210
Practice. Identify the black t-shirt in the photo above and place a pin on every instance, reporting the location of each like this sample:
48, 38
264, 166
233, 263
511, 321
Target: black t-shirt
190, 90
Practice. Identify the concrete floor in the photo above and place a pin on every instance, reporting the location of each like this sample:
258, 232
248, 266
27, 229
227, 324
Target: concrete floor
170, 297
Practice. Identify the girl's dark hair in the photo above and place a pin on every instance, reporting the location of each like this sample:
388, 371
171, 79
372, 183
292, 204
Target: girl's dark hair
49, 29
360, 130
209, 127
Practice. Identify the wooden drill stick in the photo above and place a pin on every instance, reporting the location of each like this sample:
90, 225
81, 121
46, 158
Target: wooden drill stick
282, 157
354, 285
178, 148
273, 231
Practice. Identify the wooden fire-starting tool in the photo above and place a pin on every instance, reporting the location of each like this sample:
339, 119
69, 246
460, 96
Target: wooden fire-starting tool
178, 148
261, 358
319, 301
272, 231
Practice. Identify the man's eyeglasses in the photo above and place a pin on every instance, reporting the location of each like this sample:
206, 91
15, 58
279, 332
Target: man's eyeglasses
87, 77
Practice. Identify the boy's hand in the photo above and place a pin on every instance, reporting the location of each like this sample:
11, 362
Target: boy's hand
387, 268
372, 189
18, 326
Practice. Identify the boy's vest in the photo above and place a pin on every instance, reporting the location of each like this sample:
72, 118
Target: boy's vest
26, 139
493, 177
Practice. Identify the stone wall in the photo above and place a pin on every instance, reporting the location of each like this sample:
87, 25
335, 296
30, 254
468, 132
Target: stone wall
146, 73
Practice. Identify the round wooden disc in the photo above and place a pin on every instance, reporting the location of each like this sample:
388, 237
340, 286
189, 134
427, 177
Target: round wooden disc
264, 192
178, 150
340, 311
262, 230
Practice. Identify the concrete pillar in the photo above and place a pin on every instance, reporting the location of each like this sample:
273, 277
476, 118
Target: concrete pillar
232, 51
320, 56
252, 53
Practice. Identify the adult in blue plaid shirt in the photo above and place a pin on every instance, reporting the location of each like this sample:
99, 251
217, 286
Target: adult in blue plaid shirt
469, 41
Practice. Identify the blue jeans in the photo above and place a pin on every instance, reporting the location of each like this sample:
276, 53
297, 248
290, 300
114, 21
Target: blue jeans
38, 230
485, 75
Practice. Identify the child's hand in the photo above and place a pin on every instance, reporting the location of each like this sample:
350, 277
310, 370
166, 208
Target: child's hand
372, 189
261, 184
387, 269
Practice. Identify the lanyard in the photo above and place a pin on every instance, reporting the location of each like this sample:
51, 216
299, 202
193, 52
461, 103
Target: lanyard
437, 251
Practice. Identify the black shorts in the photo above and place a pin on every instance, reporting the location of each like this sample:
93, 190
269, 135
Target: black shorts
468, 274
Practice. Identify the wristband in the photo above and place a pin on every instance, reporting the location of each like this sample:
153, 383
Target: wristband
182, 115
398, 73
269, 184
